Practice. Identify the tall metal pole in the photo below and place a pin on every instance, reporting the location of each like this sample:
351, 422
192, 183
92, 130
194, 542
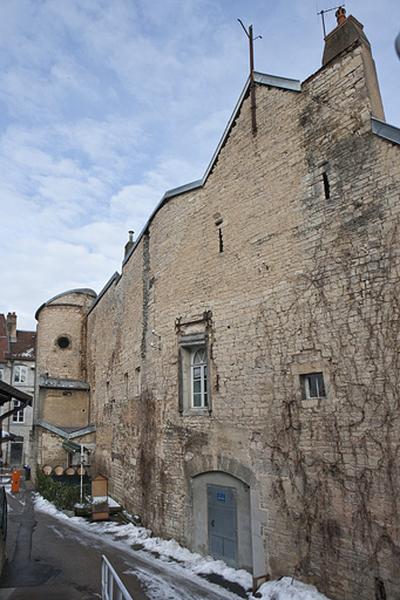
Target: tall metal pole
327, 10
252, 84
81, 482
322, 13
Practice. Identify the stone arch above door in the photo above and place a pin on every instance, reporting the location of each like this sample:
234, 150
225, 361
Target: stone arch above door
196, 465
221, 518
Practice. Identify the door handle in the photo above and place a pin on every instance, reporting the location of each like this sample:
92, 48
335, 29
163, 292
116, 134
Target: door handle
212, 523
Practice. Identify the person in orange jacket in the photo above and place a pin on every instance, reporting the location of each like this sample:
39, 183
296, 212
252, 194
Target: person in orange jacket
15, 481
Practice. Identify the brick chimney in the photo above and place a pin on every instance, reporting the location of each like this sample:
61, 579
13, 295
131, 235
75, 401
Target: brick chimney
350, 32
12, 326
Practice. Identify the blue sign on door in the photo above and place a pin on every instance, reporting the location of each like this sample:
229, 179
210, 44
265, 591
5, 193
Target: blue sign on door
220, 497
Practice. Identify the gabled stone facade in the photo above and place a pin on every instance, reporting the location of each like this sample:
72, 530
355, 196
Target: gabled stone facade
282, 267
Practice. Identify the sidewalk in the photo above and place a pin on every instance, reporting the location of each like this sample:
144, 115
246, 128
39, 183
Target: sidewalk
52, 559
28, 572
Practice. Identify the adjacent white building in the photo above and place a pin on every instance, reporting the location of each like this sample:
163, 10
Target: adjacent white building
17, 368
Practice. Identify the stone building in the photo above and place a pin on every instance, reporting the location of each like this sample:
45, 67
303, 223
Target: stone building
62, 410
17, 368
243, 366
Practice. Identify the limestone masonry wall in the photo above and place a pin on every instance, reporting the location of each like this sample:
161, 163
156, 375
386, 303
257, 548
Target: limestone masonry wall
61, 407
308, 281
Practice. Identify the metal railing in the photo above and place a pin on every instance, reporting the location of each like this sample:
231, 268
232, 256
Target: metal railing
112, 587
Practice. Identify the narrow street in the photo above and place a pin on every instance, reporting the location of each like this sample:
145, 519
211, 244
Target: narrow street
48, 559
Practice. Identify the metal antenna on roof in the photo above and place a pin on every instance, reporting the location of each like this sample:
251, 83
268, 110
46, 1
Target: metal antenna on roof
251, 39
323, 12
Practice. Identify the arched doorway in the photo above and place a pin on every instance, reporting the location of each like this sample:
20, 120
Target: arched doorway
222, 518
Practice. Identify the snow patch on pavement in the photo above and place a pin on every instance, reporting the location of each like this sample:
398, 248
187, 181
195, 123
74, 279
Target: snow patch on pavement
158, 589
132, 535
289, 589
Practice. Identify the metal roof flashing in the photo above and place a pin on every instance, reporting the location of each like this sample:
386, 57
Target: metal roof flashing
385, 131
113, 278
86, 291
283, 83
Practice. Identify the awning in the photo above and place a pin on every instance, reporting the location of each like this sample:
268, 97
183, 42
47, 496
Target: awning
8, 392
6, 436
71, 446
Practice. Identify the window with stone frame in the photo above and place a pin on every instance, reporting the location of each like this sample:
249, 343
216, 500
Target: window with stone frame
194, 388
199, 378
312, 385
18, 417
20, 374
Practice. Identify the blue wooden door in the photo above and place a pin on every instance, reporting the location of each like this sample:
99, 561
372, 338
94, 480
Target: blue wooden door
222, 523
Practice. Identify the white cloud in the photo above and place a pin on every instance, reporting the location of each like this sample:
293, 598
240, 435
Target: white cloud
106, 105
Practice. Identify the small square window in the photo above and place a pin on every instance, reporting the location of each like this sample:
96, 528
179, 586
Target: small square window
312, 385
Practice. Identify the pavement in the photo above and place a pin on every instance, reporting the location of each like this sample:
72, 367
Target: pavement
50, 560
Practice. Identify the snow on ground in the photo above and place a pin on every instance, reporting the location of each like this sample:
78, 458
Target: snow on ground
289, 589
132, 535
158, 588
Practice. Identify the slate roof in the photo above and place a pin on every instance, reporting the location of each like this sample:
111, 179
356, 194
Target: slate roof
24, 347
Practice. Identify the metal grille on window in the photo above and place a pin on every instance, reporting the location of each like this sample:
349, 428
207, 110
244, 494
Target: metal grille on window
199, 378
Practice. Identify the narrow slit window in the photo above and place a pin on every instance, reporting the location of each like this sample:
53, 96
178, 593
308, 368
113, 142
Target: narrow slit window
126, 382
220, 240
327, 187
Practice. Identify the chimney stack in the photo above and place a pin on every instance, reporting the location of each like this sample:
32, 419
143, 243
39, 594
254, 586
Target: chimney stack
130, 243
340, 15
347, 34
12, 326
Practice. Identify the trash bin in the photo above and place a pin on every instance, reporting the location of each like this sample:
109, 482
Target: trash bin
27, 470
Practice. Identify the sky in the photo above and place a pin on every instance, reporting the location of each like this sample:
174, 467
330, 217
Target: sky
106, 104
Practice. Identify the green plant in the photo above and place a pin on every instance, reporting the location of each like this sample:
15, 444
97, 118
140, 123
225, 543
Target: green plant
63, 495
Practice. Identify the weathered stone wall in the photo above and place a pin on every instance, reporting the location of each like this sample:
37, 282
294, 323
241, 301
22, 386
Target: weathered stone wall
50, 450
114, 368
65, 408
63, 316
304, 283
60, 406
